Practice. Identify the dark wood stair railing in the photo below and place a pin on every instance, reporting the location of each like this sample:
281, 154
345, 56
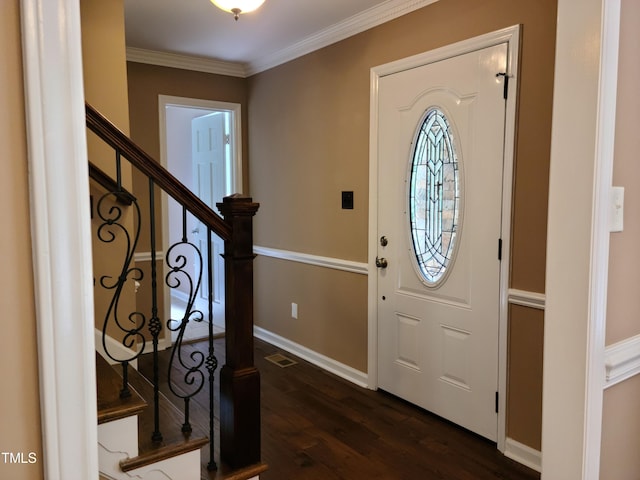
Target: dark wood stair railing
140, 159
239, 378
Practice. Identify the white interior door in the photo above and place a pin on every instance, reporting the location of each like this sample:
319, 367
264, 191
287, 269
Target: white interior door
212, 181
440, 216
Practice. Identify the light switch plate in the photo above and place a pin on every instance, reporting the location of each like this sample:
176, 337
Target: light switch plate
616, 214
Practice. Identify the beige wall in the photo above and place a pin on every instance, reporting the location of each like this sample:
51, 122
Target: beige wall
524, 395
621, 425
308, 141
104, 59
19, 401
105, 84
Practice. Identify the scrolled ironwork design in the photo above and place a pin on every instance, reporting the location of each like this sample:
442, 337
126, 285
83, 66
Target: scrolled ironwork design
185, 275
112, 229
128, 325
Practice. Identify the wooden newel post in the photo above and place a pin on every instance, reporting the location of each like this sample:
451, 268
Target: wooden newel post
239, 378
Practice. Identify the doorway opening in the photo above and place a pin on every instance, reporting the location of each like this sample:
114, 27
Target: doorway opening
200, 144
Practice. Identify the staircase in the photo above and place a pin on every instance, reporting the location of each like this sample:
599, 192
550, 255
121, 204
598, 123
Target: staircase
142, 433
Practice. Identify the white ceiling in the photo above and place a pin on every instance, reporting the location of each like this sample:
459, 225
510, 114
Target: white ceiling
278, 31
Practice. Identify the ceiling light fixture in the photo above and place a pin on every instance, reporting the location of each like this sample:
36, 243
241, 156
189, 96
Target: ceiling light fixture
237, 6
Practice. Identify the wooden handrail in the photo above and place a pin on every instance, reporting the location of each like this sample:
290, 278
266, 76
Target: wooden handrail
239, 378
114, 137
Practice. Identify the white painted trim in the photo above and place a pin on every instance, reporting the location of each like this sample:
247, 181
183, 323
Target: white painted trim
374, 16
600, 235
511, 36
621, 361
523, 454
577, 237
330, 365
146, 256
185, 466
527, 299
186, 62
61, 236
317, 260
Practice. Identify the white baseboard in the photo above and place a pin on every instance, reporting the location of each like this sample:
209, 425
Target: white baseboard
523, 454
340, 369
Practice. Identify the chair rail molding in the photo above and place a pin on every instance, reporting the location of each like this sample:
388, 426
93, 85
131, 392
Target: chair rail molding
317, 260
621, 361
527, 299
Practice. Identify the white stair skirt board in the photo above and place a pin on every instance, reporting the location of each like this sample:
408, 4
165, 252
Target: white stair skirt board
118, 440
181, 467
523, 454
340, 369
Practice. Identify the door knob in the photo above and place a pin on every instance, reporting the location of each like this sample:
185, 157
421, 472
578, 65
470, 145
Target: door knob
381, 262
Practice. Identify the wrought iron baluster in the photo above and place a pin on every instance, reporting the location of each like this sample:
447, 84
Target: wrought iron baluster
118, 169
155, 326
112, 230
177, 259
212, 361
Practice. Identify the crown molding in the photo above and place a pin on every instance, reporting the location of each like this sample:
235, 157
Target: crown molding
186, 62
358, 23
370, 18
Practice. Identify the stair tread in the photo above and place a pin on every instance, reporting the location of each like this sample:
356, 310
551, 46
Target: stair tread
174, 442
110, 405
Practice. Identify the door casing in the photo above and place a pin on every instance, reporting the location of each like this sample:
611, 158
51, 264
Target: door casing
236, 127
511, 36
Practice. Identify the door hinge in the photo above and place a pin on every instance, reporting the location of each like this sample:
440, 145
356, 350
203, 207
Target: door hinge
500, 249
497, 401
227, 139
505, 91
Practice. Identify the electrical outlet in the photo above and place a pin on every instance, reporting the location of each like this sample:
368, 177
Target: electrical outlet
294, 310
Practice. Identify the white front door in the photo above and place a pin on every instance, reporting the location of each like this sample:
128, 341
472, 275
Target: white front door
440, 144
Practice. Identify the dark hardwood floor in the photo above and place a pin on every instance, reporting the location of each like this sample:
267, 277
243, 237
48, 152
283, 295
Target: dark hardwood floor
316, 426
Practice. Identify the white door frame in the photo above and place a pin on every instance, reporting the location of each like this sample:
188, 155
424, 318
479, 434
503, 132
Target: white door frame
210, 105
511, 36
582, 147
61, 237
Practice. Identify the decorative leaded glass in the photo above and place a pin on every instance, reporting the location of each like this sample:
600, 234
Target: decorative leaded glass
434, 196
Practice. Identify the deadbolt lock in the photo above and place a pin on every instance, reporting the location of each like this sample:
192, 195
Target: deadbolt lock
383, 241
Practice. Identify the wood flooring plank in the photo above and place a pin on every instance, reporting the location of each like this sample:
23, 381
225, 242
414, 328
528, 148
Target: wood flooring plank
316, 426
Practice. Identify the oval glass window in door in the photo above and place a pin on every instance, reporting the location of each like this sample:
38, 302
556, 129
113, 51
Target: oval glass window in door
434, 197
